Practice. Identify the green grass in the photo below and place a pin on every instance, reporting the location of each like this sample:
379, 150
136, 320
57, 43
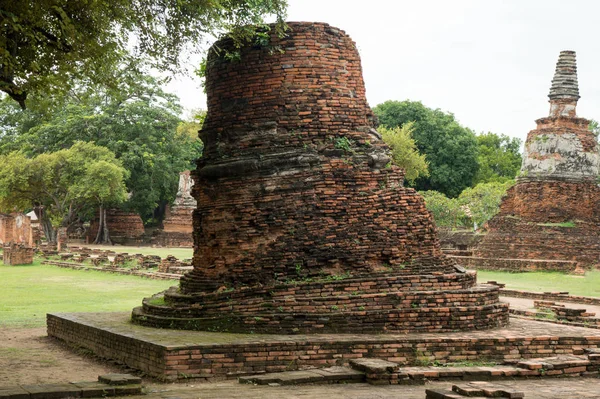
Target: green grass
546, 281
29, 292
562, 224
179, 253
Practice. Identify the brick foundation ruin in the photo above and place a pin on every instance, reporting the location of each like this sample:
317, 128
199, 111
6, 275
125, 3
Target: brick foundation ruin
553, 212
126, 228
177, 226
303, 224
15, 254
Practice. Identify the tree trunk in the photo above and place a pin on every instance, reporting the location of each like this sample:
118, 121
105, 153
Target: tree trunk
103, 234
47, 227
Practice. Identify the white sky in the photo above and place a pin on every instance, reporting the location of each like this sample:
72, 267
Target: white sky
490, 62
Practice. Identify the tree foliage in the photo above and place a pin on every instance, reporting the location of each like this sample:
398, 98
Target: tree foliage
483, 200
61, 186
447, 212
450, 149
473, 207
499, 158
48, 44
139, 124
404, 151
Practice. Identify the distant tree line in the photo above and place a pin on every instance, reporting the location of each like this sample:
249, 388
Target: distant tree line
138, 127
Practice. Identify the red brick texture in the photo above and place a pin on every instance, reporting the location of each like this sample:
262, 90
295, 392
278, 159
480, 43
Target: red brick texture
296, 187
123, 226
194, 358
16, 228
17, 254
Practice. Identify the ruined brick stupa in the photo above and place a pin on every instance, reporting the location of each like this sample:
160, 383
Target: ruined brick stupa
553, 211
177, 226
303, 224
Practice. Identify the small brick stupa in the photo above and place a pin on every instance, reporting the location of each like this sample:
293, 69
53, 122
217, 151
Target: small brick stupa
303, 224
177, 226
552, 213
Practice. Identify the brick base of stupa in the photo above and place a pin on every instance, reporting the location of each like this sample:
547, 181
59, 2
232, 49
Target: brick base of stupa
552, 221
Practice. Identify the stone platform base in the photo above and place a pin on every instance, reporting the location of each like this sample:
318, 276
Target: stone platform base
175, 354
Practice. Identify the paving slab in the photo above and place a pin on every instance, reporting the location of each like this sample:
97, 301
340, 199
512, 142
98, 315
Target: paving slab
52, 391
119, 379
13, 392
94, 389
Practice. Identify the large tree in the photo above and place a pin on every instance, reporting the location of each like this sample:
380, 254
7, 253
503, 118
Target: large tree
139, 124
49, 44
499, 158
61, 186
450, 149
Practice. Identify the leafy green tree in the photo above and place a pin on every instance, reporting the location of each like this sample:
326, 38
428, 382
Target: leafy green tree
139, 124
61, 185
447, 212
450, 149
499, 158
50, 44
404, 151
483, 200
192, 125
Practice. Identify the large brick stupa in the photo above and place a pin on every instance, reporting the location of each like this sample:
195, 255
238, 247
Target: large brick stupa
551, 217
303, 224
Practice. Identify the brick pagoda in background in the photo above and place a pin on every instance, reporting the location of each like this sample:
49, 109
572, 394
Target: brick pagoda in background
550, 219
126, 228
303, 225
177, 226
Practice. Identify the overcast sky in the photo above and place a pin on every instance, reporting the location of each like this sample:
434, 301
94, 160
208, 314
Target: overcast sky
490, 62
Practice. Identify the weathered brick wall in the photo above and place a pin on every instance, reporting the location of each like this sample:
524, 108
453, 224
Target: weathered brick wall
296, 186
16, 228
17, 254
123, 226
552, 201
298, 177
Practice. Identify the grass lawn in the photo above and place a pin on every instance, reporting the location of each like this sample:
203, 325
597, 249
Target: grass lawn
588, 285
29, 292
179, 253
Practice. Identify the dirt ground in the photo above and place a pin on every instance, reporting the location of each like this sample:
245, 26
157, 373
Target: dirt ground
29, 356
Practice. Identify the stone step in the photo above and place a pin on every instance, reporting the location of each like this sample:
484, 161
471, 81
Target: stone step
330, 375
556, 365
107, 385
383, 372
475, 390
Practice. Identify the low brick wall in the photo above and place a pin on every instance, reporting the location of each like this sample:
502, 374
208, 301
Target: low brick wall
17, 254
139, 348
117, 270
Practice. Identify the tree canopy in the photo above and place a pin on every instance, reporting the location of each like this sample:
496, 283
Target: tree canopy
61, 186
404, 151
450, 149
474, 206
49, 44
499, 158
139, 124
